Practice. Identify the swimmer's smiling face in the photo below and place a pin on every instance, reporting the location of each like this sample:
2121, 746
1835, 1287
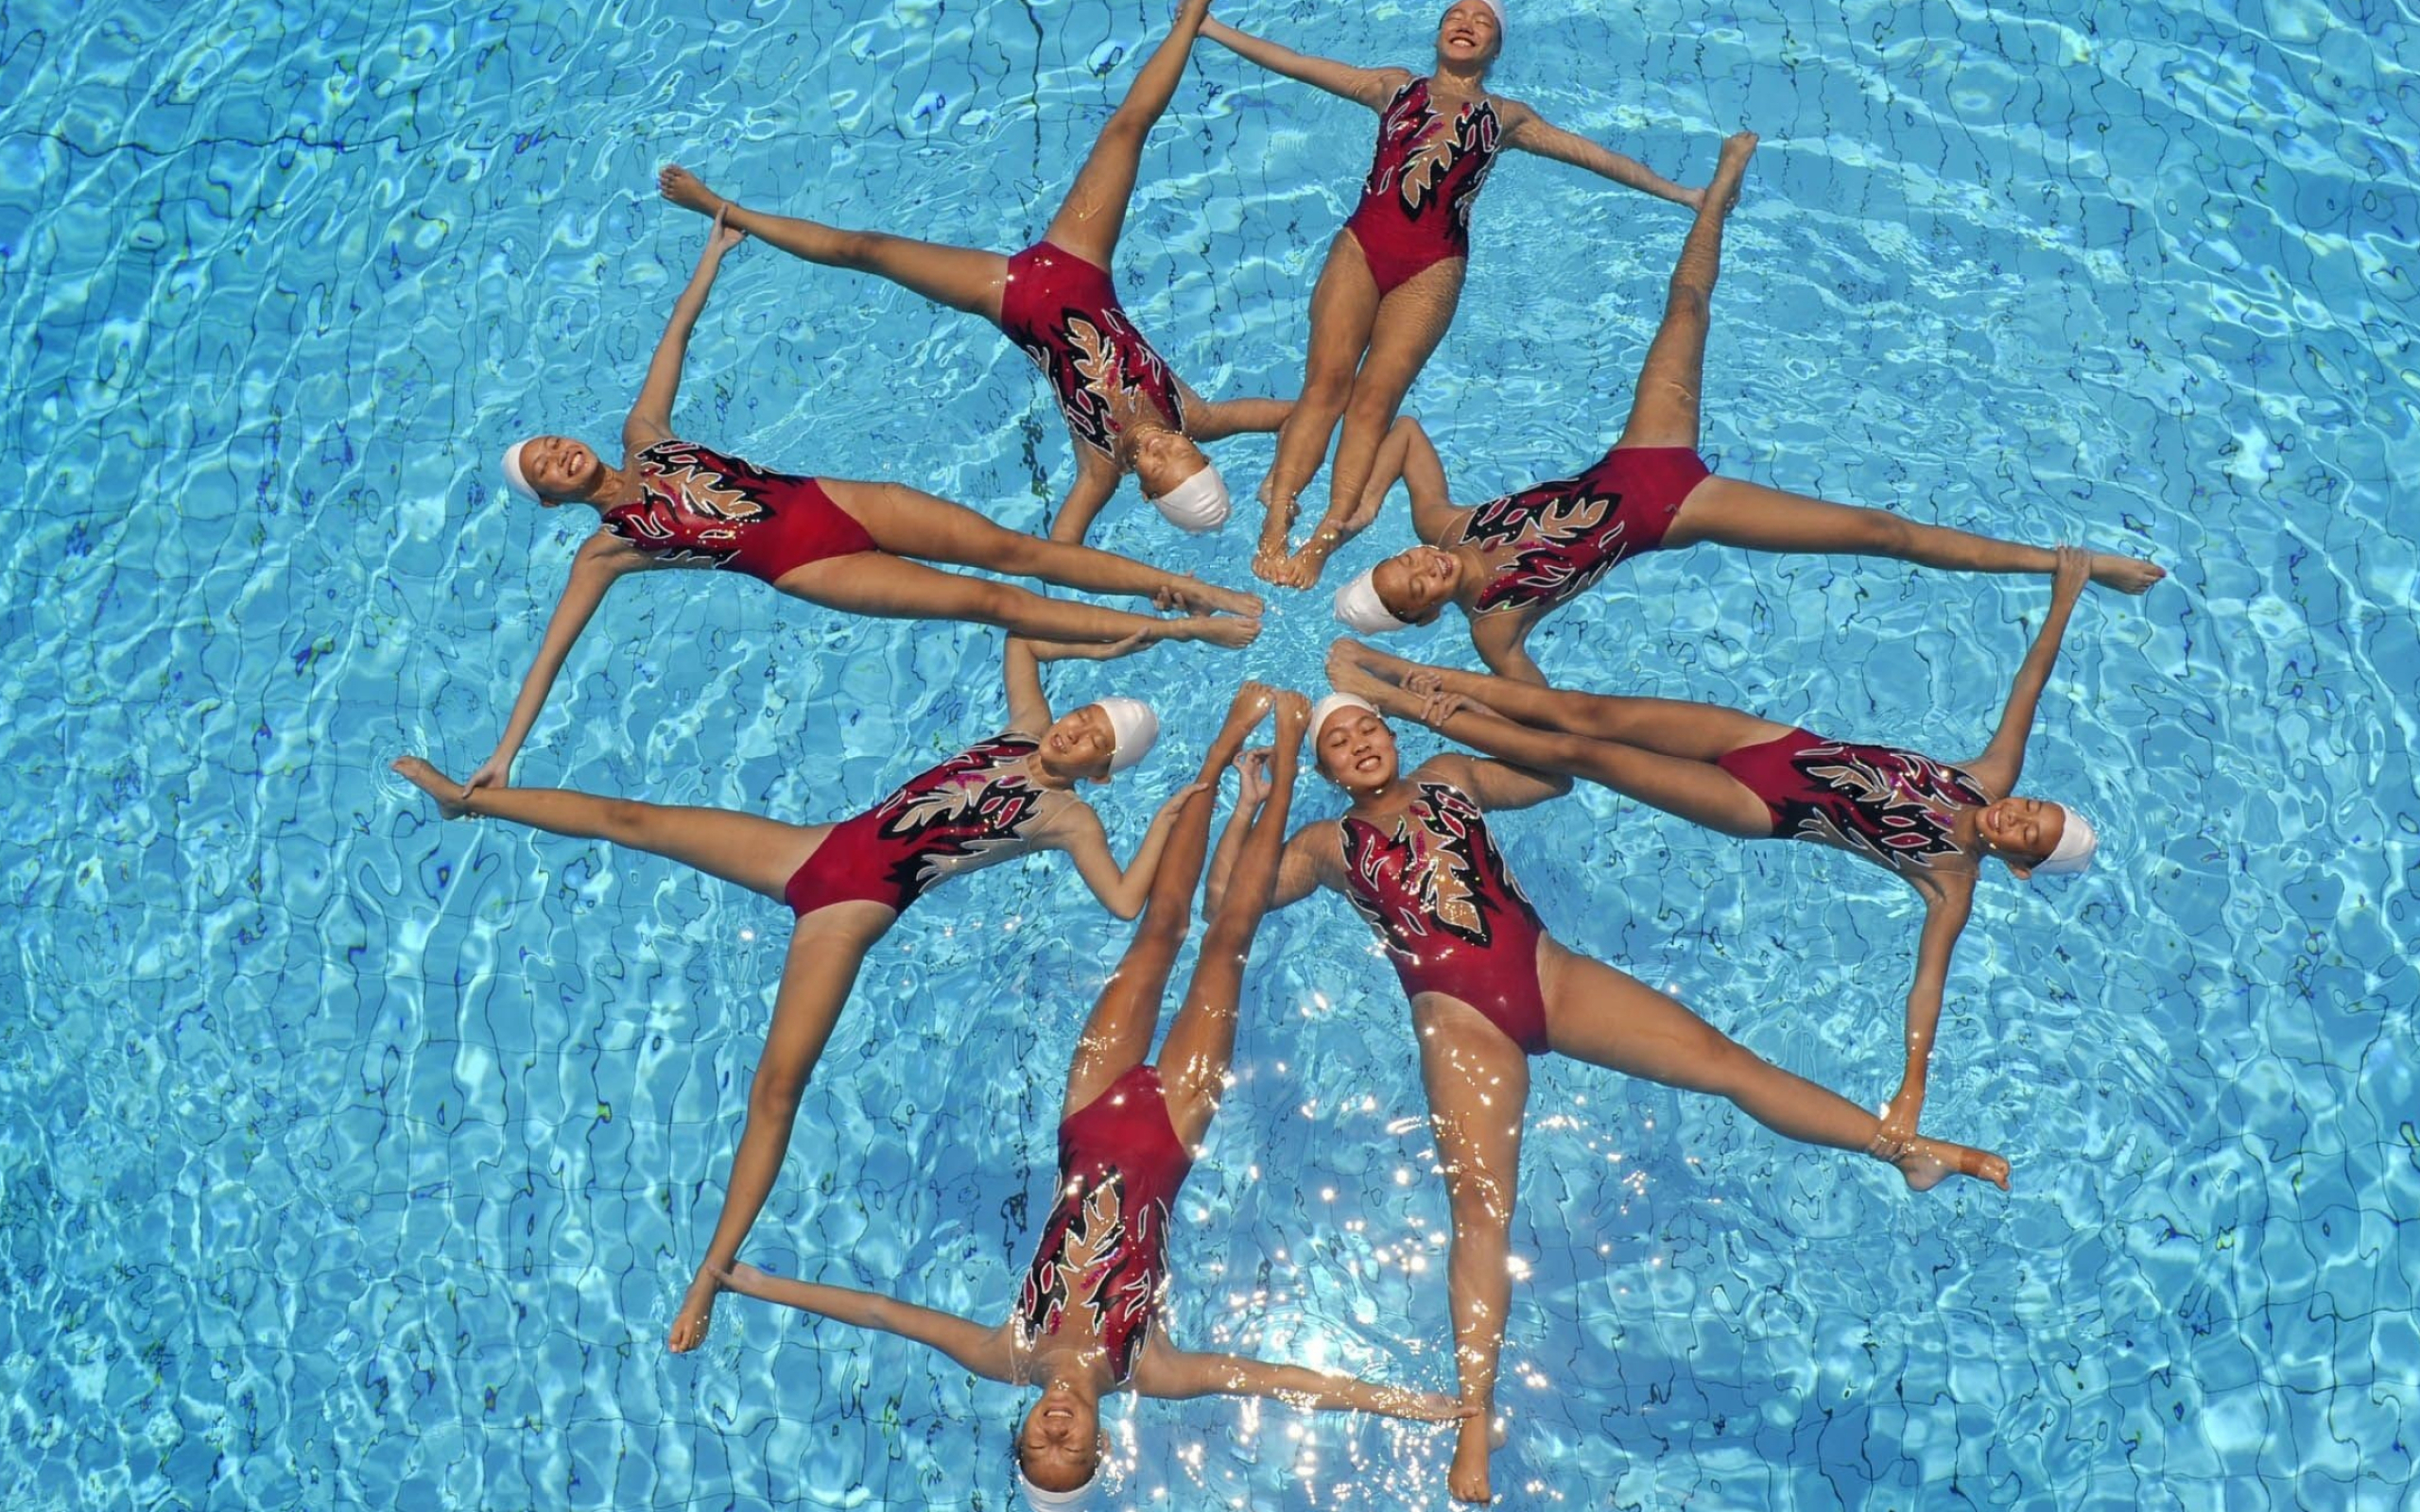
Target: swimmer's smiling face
2021, 831
1059, 1446
1469, 34
1415, 584
558, 467
1356, 750
1080, 742
1164, 458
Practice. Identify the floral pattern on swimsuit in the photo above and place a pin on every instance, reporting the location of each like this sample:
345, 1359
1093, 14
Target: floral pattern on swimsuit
1893, 807
1104, 1246
1438, 891
978, 802
1568, 536
1423, 160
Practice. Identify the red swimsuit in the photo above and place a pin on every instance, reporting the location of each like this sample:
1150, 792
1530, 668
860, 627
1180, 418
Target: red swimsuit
967, 812
1576, 529
1065, 313
1415, 206
1104, 1246
1893, 807
1454, 919
701, 508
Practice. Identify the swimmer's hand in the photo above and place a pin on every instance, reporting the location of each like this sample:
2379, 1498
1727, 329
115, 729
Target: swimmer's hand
722, 240
497, 771
746, 1280
2073, 572
1429, 1407
1086, 650
1253, 781
452, 798
1176, 801
1900, 1114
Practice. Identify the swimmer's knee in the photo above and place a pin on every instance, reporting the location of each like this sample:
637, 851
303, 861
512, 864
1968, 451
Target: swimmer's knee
1691, 299
775, 1090
1887, 534
627, 821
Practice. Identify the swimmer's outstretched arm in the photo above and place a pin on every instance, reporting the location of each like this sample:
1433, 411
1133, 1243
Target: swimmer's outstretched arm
1368, 86
1298, 866
1532, 132
1096, 480
1122, 890
1214, 419
2003, 762
650, 417
983, 1350
602, 559
1947, 902
1177, 1375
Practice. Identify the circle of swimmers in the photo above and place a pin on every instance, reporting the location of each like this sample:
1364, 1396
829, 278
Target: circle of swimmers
1488, 988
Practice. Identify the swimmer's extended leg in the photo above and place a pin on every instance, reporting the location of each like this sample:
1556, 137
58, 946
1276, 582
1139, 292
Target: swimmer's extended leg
1093, 214
826, 950
877, 583
959, 277
1118, 1035
756, 854
909, 523
1201, 1041
1412, 321
1729, 512
1597, 1014
1478, 1082
1664, 409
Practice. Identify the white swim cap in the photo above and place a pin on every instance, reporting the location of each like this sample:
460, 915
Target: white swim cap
1496, 6
1041, 1500
2073, 852
1199, 503
1357, 605
518, 480
1133, 728
1335, 703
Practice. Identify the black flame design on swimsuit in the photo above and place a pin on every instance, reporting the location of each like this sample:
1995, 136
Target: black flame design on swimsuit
695, 506
1421, 162
978, 802
1437, 891
1103, 1255
1893, 807
1065, 314
1568, 534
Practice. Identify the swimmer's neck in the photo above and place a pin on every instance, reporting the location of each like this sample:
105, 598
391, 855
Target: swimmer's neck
1039, 771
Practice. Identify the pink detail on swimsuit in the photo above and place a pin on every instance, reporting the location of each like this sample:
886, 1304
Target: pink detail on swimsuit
700, 508
1893, 807
1104, 1246
1415, 205
971, 811
1573, 531
1455, 922
1064, 313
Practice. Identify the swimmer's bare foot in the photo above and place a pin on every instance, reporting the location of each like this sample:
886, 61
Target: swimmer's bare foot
1467, 1477
447, 792
1252, 702
686, 190
1722, 193
1196, 596
696, 1312
1346, 651
1924, 1164
2128, 574
1234, 631
1351, 676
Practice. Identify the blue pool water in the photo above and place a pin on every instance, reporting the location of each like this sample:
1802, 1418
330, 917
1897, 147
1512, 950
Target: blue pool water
352, 1158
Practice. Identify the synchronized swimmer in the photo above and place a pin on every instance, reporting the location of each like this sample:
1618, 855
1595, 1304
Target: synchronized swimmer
1487, 986
1393, 275
1125, 410
1510, 562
